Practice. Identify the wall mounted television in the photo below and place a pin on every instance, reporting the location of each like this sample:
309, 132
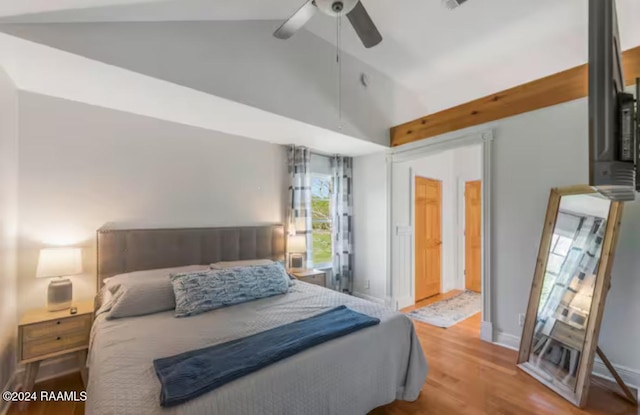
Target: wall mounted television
614, 126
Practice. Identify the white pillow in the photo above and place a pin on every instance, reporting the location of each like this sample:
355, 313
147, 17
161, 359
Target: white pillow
244, 263
143, 292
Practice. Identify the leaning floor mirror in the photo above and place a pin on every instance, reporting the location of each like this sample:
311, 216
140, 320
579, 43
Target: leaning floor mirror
569, 289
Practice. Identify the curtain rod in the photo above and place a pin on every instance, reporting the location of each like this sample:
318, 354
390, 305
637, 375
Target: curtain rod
317, 153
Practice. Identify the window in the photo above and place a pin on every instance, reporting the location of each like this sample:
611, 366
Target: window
560, 247
321, 215
321, 187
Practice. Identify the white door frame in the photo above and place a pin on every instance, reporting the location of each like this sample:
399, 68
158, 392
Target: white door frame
461, 231
421, 149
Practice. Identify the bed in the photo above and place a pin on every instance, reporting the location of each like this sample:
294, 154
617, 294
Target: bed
350, 375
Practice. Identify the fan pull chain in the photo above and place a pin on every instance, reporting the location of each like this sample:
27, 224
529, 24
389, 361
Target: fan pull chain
339, 62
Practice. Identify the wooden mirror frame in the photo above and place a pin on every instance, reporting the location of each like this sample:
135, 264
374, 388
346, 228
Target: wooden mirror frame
603, 278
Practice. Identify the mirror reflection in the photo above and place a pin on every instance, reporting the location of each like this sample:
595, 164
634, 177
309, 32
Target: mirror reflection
568, 286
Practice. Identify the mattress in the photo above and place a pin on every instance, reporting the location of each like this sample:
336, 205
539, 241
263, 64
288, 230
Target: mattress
347, 376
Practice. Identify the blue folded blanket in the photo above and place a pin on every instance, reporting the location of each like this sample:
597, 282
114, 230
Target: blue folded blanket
188, 375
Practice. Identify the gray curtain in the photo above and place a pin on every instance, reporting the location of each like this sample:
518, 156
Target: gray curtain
299, 216
342, 229
581, 261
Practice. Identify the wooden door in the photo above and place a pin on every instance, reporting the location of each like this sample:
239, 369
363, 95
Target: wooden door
473, 235
428, 238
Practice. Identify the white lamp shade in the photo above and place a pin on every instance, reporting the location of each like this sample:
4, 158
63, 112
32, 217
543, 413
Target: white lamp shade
59, 262
297, 243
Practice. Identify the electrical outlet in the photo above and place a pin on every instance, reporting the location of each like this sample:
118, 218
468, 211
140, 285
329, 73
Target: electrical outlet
521, 319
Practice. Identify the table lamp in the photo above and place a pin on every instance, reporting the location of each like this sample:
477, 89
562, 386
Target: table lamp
297, 248
58, 263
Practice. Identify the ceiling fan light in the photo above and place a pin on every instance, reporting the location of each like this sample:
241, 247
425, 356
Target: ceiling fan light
336, 7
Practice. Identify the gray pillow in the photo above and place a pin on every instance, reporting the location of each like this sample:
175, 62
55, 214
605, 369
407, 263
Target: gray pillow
142, 297
113, 283
143, 292
199, 292
104, 301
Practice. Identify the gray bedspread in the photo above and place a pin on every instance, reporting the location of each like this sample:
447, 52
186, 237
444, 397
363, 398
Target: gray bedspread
347, 376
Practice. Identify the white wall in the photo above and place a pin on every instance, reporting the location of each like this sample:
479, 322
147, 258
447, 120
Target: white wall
242, 61
8, 226
437, 167
82, 166
370, 225
468, 167
468, 162
453, 167
532, 153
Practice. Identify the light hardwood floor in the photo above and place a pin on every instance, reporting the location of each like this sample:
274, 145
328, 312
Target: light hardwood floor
466, 377
72, 382
471, 377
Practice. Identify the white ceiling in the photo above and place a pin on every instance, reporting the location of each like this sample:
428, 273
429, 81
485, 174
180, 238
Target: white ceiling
593, 205
446, 57
73, 77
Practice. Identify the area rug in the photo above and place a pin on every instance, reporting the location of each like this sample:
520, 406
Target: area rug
451, 311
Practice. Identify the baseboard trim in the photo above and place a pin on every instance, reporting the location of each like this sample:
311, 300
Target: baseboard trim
12, 385
405, 302
369, 298
486, 331
630, 376
506, 340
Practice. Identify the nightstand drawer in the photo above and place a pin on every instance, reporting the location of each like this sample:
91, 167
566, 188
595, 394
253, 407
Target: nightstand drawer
49, 328
568, 335
32, 349
319, 279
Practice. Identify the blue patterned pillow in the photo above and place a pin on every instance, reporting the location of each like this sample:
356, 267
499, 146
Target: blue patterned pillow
197, 292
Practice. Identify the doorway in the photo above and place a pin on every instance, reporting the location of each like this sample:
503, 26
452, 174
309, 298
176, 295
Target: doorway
471, 153
473, 235
428, 237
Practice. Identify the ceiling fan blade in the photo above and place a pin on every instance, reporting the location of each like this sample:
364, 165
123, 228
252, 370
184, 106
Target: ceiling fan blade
295, 22
362, 23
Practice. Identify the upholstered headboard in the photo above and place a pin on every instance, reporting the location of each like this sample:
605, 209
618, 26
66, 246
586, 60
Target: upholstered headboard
127, 250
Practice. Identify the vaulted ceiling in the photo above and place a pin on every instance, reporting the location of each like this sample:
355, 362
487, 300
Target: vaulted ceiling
445, 57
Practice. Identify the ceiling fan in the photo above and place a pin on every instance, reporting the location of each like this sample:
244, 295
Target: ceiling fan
355, 11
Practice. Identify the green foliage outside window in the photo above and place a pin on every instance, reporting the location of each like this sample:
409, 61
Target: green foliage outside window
321, 219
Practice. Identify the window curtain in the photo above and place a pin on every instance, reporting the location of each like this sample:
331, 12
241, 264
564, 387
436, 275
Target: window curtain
342, 229
299, 215
580, 265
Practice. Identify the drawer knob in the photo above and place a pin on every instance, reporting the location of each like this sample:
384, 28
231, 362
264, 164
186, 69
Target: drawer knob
57, 322
58, 338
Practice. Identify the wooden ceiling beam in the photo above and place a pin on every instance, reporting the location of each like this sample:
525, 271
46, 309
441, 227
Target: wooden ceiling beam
551, 90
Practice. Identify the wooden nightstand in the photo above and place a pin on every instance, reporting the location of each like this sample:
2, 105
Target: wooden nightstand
312, 276
44, 334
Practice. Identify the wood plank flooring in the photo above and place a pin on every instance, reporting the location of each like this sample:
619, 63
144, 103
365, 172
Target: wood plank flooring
471, 377
466, 376
72, 382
